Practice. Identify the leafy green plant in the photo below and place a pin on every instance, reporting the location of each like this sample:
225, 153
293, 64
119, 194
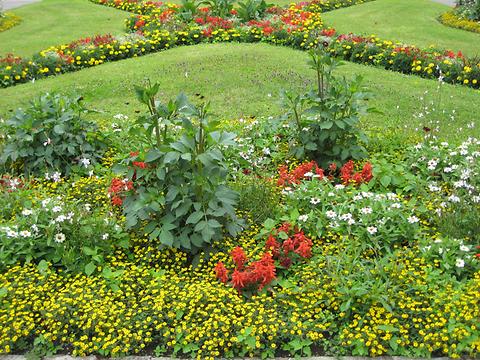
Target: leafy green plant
221, 8
188, 10
180, 193
51, 135
326, 119
252, 9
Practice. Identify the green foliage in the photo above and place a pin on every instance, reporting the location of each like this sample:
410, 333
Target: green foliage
221, 8
50, 135
65, 234
326, 119
258, 197
180, 189
189, 9
461, 221
252, 9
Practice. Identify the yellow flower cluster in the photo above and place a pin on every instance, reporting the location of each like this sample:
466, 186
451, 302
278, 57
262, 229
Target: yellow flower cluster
8, 21
452, 20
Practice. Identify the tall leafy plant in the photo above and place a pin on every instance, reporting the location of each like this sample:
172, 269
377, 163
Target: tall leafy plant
326, 118
180, 194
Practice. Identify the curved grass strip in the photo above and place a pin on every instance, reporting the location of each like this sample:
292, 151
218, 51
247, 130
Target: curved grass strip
8, 21
299, 26
453, 20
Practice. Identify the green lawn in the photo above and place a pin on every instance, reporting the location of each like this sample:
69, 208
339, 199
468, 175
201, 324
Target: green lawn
242, 80
411, 21
54, 22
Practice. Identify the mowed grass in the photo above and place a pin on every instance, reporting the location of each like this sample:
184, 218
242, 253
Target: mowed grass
413, 22
55, 22
244, 80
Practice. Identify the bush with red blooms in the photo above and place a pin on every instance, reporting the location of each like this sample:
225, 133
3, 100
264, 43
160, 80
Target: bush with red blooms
284, 245
309, 170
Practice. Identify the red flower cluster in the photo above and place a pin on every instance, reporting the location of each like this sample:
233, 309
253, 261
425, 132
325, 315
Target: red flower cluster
296, 175
328, 32
265, 25
96, 40
257, 275
348, 175
214, 22
262, 272
11, 59
478, 255
284, 250
310, 169
117, 189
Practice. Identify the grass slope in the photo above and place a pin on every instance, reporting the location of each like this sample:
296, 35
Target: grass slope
244, 79
411, 21
54, 22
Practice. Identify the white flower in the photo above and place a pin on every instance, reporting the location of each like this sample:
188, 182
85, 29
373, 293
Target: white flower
60, 219
460, 263
447, 170
88, 207
372, 230
85, 162
366, 210
413, 219
464, 248
35, 228
396, 205
454, 198
432, 164
346, 217
314, 201
351, 222
56, 209
105, 236
303, 218
357, 197
12, 233
60, 238
339, 186
56, 177
25, 233
308, 174
27, 212
266, 151
331, 214
433, 188
48, 142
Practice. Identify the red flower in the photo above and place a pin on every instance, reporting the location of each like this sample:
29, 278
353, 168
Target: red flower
238, 279
304, 250
140, 164
221, 272
239, 257
134, 153
272, 245
117, 201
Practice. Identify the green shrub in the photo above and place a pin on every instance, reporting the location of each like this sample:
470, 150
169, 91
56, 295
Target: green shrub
51, 135
325, 120
179, 185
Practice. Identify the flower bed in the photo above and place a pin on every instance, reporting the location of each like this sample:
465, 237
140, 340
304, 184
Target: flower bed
453, 20
170, 250
8, 20
159, 26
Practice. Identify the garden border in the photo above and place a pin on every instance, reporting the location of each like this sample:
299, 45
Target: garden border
452, 68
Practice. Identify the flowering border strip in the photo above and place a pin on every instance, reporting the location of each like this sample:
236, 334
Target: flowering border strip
303, 30
452, 20
8, 21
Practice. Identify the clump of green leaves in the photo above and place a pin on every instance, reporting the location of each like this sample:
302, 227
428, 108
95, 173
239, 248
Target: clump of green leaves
221, 8
50, 135
252, 9
326, 118
180, 193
